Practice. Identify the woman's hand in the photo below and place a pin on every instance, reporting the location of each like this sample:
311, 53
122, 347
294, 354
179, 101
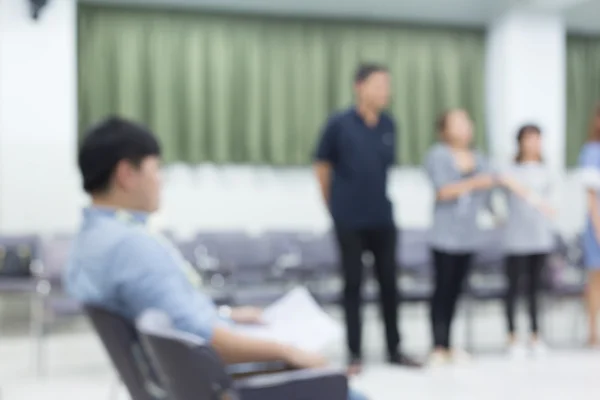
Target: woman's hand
540, 204
509, 183
484, 181
547, 210
247, 315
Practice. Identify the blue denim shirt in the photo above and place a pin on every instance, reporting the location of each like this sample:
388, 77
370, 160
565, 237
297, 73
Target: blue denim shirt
118, 264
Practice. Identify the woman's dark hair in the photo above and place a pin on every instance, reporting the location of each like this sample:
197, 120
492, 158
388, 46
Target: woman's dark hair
442, 121
594, 134
524, 131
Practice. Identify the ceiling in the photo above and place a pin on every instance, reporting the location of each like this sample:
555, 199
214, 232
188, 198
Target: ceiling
581, 15
585, 17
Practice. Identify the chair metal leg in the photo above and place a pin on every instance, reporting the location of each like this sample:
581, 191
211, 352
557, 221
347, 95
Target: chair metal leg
469, 303
579, 319
546, 318
38, 325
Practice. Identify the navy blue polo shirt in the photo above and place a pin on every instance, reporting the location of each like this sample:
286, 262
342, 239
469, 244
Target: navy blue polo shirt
360, 157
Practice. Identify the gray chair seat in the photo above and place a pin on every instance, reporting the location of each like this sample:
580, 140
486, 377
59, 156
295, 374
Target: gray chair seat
567, 289
328, 297
487, 293
63, 306
416, 293
17, 285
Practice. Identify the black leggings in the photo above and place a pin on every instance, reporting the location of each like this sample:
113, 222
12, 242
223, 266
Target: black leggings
450, 273
531, 267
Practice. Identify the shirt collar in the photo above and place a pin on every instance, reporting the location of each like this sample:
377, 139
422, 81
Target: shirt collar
128, 216
358, 117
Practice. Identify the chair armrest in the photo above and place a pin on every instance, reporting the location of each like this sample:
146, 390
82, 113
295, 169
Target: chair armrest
295, 385
237, 371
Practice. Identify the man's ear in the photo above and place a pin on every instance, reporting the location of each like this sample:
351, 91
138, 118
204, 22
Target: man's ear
123, 173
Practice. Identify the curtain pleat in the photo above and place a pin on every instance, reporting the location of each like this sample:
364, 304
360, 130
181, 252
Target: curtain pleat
583, 91
249, 89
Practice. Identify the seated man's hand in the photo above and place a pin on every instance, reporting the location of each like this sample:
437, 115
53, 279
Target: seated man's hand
247, 315
297, 358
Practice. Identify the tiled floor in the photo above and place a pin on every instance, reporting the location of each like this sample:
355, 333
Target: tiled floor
78, 369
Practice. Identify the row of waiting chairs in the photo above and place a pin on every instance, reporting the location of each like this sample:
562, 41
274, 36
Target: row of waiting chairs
239, 268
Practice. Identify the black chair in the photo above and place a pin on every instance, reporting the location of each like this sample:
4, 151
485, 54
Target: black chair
120, 339
50, 304
565, 281
255, 276
33, 266
320, 255
413, 257
486, 281
192, 370
286, 249
216, 280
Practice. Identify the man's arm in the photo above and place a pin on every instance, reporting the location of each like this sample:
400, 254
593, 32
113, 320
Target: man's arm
148, 278
236, 348
323, 173
325, 158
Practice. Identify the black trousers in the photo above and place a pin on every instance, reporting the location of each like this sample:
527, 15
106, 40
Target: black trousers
450, 273
529, 267
382, 244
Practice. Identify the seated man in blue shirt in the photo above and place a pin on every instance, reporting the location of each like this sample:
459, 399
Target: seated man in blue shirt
119, 265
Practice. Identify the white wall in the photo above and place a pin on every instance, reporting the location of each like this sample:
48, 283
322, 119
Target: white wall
526, 81
38, 181
39, 184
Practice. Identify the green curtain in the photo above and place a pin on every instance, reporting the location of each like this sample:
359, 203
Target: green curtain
583, 90
251, 89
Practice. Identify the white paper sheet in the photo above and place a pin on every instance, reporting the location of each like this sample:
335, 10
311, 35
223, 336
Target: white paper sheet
296, 319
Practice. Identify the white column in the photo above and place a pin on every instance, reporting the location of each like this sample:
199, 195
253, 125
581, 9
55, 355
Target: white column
39, 185
526, 82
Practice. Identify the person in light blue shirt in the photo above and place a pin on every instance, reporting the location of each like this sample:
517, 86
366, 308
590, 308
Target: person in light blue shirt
119, 265
589, 163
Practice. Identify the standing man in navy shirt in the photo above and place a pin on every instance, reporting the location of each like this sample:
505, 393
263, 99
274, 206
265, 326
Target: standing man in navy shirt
354, 154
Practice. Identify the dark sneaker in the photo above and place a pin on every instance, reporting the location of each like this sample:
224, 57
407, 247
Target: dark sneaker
402, 360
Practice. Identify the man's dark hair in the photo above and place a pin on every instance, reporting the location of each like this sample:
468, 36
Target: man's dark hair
364, 71
108, 143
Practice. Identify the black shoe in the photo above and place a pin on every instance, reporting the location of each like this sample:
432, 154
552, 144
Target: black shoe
402, 360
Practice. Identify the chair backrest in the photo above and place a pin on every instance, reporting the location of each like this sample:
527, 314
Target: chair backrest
189, 368
413, 253
319, 250
121, 341
489, 258
17, 254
